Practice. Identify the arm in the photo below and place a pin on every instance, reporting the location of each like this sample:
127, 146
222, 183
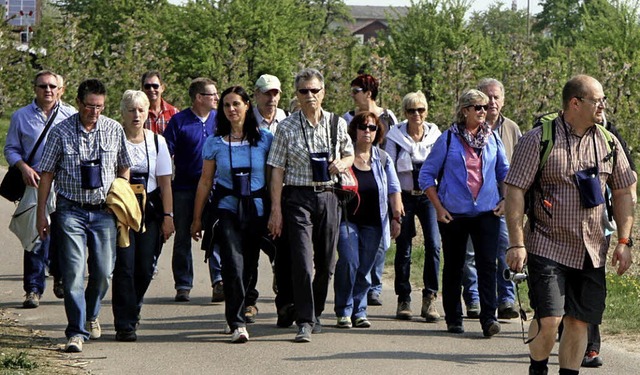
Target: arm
623, 215
13, 155
443, 215
42, 222
514, 207
499, 209
397, 211
275, 190
202, 193
167, 203
123, 172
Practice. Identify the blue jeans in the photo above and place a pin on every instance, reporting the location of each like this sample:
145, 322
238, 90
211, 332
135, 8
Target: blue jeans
421, 207
375, 276
79, 232
357, 249
182, 259
506, 289
35, 262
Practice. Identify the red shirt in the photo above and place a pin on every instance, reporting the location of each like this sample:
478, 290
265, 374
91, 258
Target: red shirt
158, 122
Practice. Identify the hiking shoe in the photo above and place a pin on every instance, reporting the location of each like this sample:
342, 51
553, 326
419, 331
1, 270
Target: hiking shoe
490, 329
473, 310
374, 300
126, 336
429, 312
58, 288
286, 316
362, 322
344, 322
74, 345
404, 310
250, 313
317, 327
93, 326
507, 311
240, 335
31, 300
592, 359
182, 295
217, 295
455, 328
304, 334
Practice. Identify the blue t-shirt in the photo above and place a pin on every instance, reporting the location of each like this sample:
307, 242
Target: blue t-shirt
216, 148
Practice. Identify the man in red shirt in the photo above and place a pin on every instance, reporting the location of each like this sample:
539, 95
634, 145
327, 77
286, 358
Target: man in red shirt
160, 111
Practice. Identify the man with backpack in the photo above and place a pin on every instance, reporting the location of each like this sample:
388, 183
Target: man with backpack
563, 245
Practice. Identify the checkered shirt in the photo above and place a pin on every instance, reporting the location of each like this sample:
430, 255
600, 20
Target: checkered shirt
157, 123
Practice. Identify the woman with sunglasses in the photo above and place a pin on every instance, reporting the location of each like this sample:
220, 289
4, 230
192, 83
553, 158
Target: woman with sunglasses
463, 177
366, 224
408, 145
236, 155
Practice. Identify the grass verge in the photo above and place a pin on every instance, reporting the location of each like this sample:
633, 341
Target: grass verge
4, 128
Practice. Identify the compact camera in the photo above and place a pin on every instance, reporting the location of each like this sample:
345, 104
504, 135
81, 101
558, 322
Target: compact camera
516, 277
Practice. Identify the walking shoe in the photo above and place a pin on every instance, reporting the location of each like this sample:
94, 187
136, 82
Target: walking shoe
250, 313
429, 312
404, 310
473, 310
240, 335
58, 288
533, 371
491, 328
304, 333
126, 336
31, 300
455, 328
218, 292
362, 322
226, 330
93, 326
507, 310
592, 359
317, 327
373, 299
286, 316
74, 345
344, 322
182, 295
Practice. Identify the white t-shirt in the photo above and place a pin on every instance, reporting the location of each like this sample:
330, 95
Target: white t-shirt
160, 160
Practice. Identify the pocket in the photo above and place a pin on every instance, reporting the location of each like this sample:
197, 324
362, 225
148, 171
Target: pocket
70, 156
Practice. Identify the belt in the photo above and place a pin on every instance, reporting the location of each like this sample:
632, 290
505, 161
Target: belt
315, 189
414, 193
87, 206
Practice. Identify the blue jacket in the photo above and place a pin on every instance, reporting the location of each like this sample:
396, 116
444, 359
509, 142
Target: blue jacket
387, 180
453, 191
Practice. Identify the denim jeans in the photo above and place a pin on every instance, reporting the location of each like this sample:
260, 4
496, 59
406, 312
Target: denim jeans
484, 231
506, 289
375, 276
182, 259
79, 232
357, 249
35, 262
421, 207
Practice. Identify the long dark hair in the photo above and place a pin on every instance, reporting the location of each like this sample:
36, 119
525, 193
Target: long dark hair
250, 126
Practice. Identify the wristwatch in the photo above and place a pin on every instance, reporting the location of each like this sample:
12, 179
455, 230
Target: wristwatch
170, 214
626, 241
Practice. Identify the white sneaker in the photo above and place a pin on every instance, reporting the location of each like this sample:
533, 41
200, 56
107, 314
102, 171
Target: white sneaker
74, 345
240, 335
93, 326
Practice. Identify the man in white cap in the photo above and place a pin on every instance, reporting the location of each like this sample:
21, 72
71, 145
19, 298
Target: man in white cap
267, 95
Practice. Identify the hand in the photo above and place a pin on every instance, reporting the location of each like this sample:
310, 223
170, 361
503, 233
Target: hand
196, 230
622, 257
443, 215
167, 227
29, 176
275, 223
42, 224
516, 258
337, 166
499, 209
395, 229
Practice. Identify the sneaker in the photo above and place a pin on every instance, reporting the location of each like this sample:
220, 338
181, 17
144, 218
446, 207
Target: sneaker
31, 300
58, 288
592, 359
404, 310
74, 345
93, 326
317, 327
429, 312
473, 310
304, 334
250, 313
126, 336
455, 328
362, 322
226, 330
374, 300
217, 295
240, 335
286, 316
507, 311
490, 329
182, 295
344, 322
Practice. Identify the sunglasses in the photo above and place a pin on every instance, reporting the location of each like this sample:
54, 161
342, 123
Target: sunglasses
306, 91
371, 127
208, 94
149, 86
355, 90
478, 107
45, 86
412, 111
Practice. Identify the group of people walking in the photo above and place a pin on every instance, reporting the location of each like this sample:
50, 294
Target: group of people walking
241, 175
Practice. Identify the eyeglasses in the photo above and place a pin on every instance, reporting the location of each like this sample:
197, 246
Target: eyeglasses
412, 111
306, 91
602, 101
479, 107
45, 86
214, 94
371, 127
355, 90
149, 86
93, 107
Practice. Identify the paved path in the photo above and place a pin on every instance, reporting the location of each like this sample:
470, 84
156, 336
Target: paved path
177, 338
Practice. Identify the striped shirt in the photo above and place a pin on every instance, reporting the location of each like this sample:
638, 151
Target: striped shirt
572, 231
296, 137
69, 144
158, 122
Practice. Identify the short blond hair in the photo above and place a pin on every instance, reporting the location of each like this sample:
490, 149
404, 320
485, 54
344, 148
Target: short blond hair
132, 97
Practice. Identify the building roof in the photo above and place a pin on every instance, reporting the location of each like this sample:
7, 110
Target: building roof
365, 12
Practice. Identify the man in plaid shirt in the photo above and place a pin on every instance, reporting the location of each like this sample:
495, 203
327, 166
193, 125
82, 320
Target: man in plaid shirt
160, 112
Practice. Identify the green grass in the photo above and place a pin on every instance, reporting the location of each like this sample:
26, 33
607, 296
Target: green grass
4, 128
19, 361
621, 314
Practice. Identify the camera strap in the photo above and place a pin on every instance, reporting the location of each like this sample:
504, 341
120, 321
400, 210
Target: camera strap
523, 318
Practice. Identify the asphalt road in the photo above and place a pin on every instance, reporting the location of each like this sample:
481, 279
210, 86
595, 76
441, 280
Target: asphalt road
187, 338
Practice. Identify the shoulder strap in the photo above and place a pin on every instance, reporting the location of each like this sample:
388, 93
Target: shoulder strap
384, 157
42, 135
546, 140
155, 141
611, 145
334, 132
446, 153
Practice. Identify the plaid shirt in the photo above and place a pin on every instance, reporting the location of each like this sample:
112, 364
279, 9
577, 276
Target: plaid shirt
571, 231
290, 150
69, 144
158, 122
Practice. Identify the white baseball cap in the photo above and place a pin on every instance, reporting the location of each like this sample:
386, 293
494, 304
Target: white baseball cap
267, 82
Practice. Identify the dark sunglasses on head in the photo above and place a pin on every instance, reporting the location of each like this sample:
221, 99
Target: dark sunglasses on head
355, 90
149, 86
411, 111
306, 91
371, 127
478, 107
45, 86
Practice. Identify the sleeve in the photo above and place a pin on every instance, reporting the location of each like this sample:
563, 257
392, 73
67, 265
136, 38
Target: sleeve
344, 140
502, 165
163, 161
209, 149
13, 147
525, 160
52, 151
391, 147
393, 183
623, 144
278, 151
622, 175
170, 135
434, 162
124, 161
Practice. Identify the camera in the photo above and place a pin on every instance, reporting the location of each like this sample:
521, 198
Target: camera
516, 277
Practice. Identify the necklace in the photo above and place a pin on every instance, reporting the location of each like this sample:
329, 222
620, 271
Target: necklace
366, 160
237, 138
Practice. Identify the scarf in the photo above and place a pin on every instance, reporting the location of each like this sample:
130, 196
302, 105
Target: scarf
479, 140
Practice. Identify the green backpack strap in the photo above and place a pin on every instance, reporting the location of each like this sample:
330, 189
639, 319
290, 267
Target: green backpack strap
548, 138
611, 144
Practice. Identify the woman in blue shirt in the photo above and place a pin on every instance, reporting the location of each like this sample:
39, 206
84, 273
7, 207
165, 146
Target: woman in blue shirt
463, 177
236, 156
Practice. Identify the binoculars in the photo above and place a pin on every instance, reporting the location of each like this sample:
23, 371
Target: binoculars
516, 277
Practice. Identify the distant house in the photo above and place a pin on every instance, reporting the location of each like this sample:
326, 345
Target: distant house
370, 20
22, 15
